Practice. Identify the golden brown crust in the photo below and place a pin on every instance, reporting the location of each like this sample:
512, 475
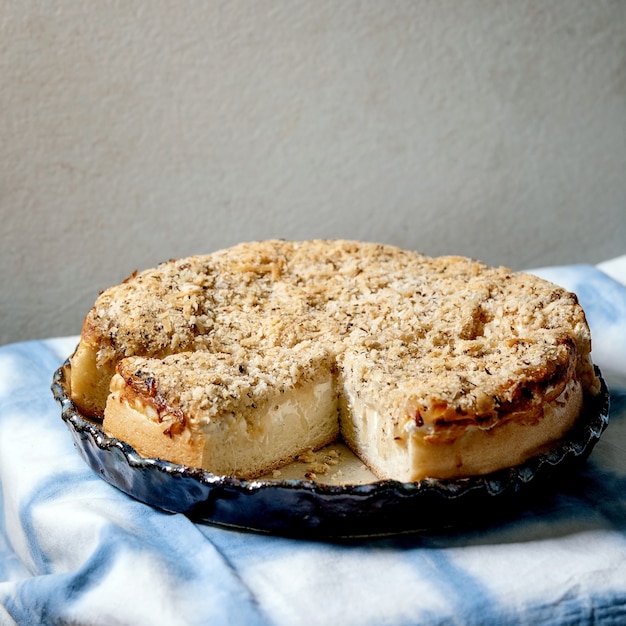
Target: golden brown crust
442, 344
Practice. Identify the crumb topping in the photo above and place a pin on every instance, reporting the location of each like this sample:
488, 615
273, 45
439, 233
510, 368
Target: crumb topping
201, 386
436, 340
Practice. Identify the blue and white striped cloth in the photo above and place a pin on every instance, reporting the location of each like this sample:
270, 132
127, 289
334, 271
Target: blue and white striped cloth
74, 550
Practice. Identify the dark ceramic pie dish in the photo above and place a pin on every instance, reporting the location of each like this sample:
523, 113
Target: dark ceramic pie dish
308, 508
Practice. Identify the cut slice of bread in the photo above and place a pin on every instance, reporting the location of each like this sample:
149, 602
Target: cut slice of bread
227, 412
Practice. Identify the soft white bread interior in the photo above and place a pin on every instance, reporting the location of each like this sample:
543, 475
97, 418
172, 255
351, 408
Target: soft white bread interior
470, 451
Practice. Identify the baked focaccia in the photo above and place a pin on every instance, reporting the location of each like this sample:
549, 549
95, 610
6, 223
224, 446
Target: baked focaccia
238, 361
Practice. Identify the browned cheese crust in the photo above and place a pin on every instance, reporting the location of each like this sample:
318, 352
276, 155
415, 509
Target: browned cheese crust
438, 347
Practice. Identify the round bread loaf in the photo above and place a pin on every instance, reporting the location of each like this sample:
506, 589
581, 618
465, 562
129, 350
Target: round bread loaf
240, 360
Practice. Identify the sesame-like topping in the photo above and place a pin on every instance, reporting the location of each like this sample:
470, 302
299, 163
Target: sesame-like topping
435, 338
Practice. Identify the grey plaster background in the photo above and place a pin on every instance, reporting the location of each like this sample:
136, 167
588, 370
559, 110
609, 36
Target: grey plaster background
133, 132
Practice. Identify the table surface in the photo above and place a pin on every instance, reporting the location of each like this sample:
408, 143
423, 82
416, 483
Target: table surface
75, 550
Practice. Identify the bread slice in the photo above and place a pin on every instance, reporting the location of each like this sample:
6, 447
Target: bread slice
232, 413
440, 367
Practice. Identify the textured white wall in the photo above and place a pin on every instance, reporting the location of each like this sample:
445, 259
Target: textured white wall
135, 131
